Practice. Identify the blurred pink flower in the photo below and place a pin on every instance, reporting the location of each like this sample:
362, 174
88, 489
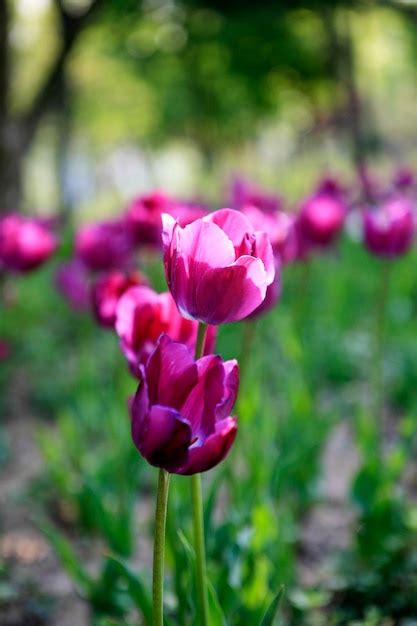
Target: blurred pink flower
142, 315
321, 218
25, 242
243, 193
107, 291
388, 229
72, 282
144, 216
104, 246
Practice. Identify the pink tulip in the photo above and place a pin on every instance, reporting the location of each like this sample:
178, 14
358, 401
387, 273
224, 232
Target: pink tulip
180, 413
142, 315
25, 243
321, 218
389, 229
144, 216
273, 294
218, 268
107, 291
73, 283
104, 246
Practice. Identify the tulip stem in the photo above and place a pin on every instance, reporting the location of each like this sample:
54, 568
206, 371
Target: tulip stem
200, 341
198, 517
159, 549
380, 322
200, 551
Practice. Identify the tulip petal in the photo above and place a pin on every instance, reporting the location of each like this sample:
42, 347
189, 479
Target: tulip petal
199, 247
262, 249
163, 437
200, 406
231, 293
231, 388
214, 449
171, 373
234, 223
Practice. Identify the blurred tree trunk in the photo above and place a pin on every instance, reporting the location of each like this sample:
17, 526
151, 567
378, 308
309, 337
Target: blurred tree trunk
341, 57
17, 132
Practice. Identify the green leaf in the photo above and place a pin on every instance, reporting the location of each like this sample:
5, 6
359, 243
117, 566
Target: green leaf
216, 615
137, 589
271, 612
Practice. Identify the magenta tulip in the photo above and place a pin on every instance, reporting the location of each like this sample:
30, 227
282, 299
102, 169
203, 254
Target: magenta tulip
218, 268
25, 243
107, 291
104, 246
180, 413
389, 229
321, 218
404, 179
72, 281
142, 315
273, 294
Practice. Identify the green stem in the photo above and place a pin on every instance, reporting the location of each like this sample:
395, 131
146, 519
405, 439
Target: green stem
159, 549
380, 322
198, 518
200, 551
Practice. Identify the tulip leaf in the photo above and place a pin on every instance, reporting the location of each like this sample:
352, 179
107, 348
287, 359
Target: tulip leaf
271, 612
216, 615
137, 589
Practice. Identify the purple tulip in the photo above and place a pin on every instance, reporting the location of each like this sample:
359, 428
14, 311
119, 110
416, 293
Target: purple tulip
142, 315
180, 413
73, 283
25, 243
273, 294
218, 268
388, 230
107, 291
104, 246
321, 218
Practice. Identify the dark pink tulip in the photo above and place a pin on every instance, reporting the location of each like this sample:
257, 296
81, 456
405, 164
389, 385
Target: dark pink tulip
25, 243
321, 218
107, 291
180, 413
104, 246
144, 216
245, 193
218, 268
73, 283
389, 229
142, 315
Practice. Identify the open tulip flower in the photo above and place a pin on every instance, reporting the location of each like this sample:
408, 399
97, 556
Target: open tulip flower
321, 218
142, 315
218, 268
388, 230
25, 243
180, 413
107, 291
